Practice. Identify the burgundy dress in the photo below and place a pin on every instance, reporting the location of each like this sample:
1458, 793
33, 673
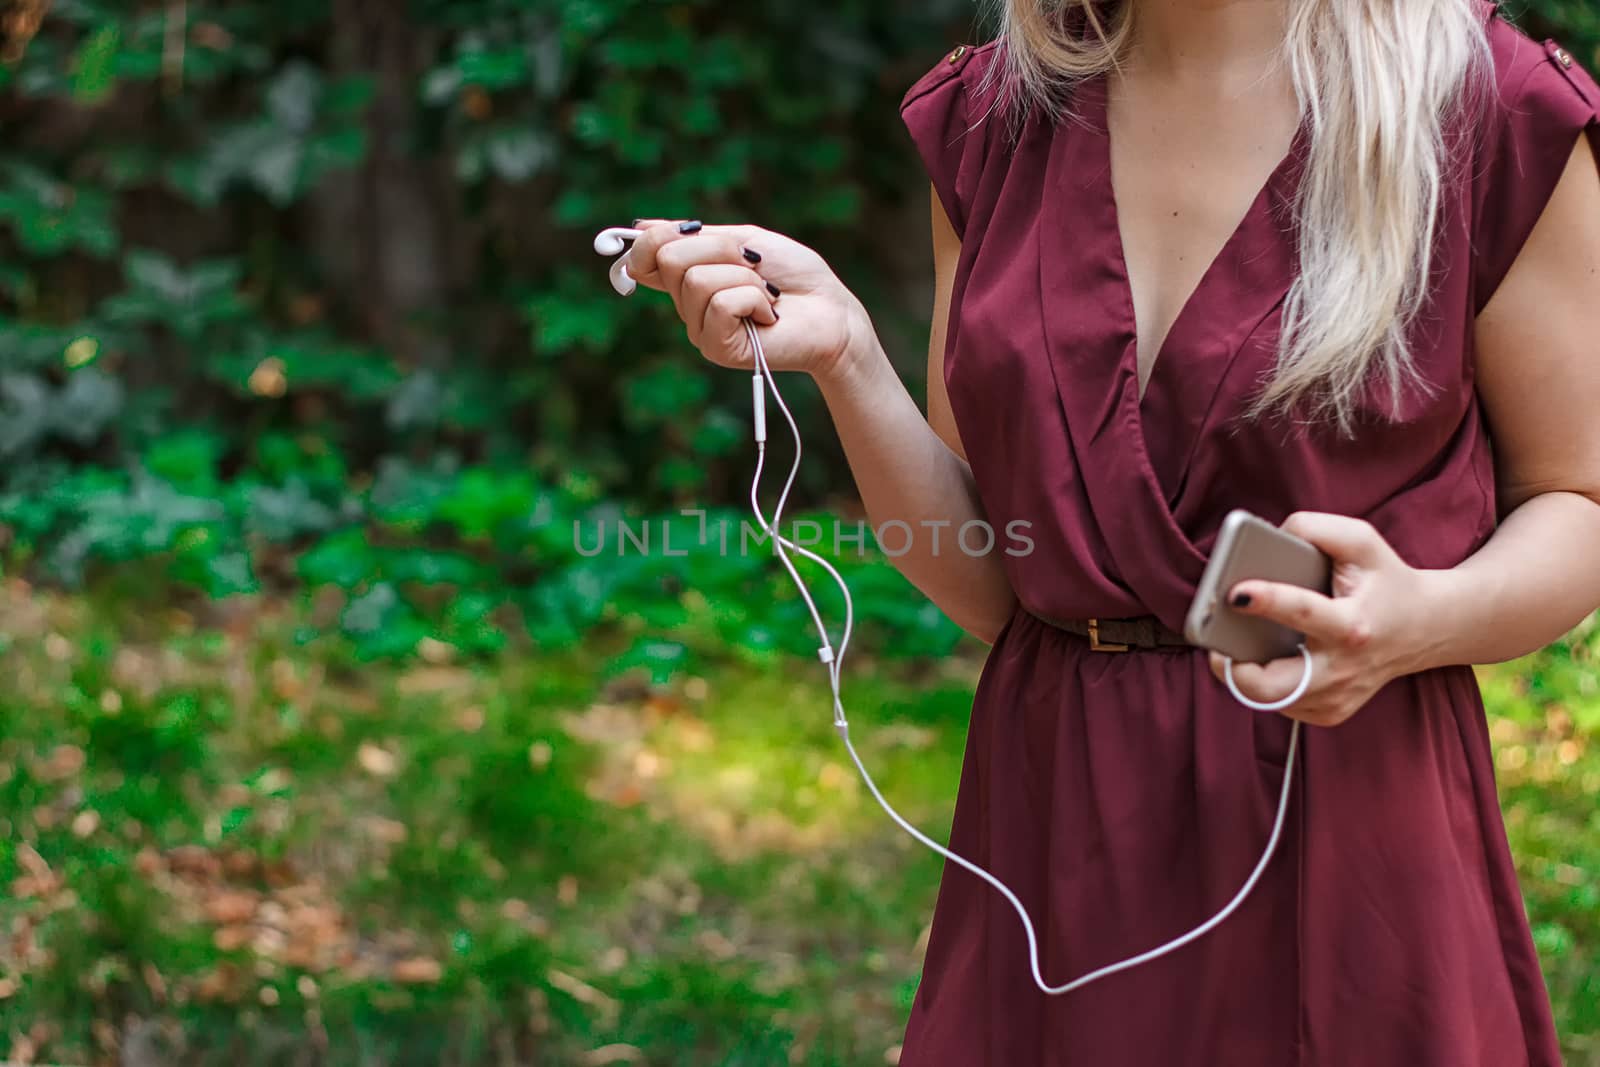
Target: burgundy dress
1126, 797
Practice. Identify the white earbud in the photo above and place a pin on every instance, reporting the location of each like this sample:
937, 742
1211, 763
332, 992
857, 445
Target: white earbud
614, 242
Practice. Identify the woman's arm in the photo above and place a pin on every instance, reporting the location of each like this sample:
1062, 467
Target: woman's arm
1538, 374
1538, 362
904, 470
914, 469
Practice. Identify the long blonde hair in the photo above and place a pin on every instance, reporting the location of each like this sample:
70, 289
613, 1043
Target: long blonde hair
1378, 82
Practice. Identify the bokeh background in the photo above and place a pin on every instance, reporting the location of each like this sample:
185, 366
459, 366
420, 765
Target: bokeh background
320, 741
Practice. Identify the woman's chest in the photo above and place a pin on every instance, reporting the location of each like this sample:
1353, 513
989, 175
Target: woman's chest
1184, 177
1042, 358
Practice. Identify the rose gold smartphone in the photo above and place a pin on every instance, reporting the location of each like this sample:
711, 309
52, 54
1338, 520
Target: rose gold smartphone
1249, 547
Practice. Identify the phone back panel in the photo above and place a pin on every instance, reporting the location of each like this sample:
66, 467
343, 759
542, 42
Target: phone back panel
1249, 547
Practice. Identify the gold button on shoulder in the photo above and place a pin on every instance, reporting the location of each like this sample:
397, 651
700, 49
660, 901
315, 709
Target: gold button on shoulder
1563, 57
960, 51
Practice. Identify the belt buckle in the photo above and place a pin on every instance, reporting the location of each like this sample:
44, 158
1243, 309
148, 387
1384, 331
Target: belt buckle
1097, 645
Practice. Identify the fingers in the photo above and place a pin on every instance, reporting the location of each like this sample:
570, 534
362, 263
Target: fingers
1320, 618
701, 282
675, 258
1267, 683
722, 334
739, 230
659, 257
1339, 630
1344, 538
710, 273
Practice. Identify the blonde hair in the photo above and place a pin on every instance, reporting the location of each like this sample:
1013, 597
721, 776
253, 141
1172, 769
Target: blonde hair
1378, 82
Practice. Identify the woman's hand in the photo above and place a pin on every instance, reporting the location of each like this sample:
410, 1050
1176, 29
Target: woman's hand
1374, 628
718, 276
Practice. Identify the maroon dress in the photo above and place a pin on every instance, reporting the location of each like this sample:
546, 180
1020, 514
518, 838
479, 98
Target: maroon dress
1126, 797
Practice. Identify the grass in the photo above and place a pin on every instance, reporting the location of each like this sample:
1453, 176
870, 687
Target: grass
226, 844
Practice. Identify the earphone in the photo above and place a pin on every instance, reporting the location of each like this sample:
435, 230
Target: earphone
614, 241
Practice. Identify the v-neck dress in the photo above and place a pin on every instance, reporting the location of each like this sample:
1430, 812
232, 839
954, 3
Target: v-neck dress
1125, 797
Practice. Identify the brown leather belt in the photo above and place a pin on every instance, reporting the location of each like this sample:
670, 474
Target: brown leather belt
1119, 635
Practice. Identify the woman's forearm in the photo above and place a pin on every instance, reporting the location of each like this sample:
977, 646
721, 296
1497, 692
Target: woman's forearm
1536, 578
906, 474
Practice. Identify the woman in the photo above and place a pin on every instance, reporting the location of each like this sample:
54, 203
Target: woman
1306, 257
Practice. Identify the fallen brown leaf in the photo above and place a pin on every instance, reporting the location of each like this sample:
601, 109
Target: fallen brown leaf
64, 761
418, 970
376, 761
231, 906
232, 938
584, 993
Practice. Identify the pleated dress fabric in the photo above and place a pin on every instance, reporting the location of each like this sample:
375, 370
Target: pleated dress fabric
1126, 797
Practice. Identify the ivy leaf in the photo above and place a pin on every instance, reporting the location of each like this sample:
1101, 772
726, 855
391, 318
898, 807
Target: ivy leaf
574, 315
24, 412
660, 659
293, 95
94, 68
51, 216
417, 403
186, 301
665, 393
440, 84
343, 559
157, 274
287, 513
517, 154
86, 405
369, 612
493, 70
276, 169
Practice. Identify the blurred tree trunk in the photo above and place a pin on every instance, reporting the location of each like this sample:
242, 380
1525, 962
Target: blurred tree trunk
380, 230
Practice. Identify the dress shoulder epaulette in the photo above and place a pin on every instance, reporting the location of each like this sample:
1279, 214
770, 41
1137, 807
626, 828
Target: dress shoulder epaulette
948, 68
1546, 98
1525, 64
1576, 74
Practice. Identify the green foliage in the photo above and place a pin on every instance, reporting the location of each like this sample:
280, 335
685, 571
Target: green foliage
254, 131
226, 833
303, 294
463, 556
274, 286
299, 297
1575, 23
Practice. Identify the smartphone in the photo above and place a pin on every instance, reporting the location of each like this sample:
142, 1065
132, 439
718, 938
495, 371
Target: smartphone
1250, 547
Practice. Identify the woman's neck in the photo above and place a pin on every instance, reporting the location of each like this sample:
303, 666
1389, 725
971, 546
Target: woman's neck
1212, 42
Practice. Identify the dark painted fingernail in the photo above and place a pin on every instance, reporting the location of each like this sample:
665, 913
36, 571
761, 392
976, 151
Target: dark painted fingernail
774, 290
635, 225
752, 255
1241, 600
692, 226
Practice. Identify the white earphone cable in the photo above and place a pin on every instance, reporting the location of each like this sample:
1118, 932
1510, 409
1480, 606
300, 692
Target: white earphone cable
611, 242
834, 662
